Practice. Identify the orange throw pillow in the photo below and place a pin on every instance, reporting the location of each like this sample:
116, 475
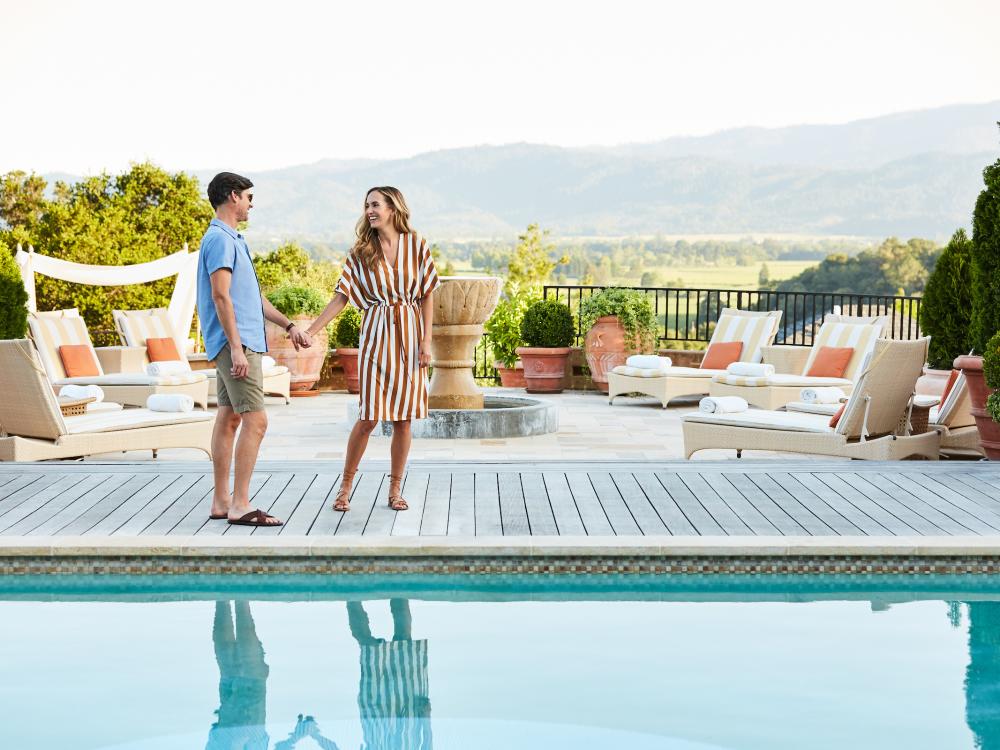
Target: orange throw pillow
720, 356
831, 362
835, 419
951, 384
162, 350
78, 362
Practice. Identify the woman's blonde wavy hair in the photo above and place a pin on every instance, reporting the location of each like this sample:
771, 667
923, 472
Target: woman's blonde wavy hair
367, 247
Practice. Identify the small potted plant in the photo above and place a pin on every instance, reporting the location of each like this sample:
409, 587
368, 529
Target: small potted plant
619, 322
504, 335
300, 304
347, 335
547, 331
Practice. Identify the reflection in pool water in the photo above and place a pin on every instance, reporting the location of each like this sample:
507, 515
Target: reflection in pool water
810, 663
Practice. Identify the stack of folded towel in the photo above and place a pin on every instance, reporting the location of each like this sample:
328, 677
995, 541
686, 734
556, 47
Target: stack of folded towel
822, 395
267, 363
167, 367
648, 362
723, 405
750, 369
171, 402
82, 391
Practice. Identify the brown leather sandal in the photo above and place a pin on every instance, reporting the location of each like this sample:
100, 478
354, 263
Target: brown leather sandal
342, 503
396, 501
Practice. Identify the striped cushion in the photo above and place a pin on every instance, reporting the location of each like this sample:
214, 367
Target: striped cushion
754, 331
781, 380
52, 330
751, 381
641, 372
859, 336
134, 378
135, 326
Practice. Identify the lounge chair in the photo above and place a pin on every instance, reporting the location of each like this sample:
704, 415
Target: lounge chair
873, 425
774, 391
135, 326
50, 330
32, 427
754, 329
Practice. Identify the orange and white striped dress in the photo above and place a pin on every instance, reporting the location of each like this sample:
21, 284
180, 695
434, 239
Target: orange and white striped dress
393, 387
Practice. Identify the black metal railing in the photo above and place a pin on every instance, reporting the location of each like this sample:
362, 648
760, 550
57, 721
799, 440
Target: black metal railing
689, 315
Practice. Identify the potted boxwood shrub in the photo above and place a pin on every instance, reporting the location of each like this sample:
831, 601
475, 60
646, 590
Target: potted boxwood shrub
504, 332
547, 331
13, 298
945, 313
300, 304
347, 335
619, 322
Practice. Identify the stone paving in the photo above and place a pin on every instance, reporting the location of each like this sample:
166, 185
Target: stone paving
635, 429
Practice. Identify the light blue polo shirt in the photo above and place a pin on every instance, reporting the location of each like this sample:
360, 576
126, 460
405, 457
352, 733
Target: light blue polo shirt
224, 247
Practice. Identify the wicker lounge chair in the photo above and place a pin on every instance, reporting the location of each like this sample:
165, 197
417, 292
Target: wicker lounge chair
135, 326
754, 329
50, 330
32, 427
874, 424
774, 391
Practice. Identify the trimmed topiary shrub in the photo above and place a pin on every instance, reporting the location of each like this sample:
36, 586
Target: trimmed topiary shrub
13, 298
504, 328
347, 332
946, 308
547, 323
293, 300
986, 260
633, 310
991, 373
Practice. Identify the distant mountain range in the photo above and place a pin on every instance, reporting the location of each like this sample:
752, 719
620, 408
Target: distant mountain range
910, 174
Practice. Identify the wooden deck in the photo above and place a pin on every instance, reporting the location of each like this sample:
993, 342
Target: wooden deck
734, 498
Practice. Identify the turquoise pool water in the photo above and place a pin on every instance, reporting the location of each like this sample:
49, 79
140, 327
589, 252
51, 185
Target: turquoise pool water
685, 663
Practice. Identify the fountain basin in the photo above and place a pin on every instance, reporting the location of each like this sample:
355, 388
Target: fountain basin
500, 417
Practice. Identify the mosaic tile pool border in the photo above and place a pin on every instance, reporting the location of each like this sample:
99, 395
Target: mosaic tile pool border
479, 565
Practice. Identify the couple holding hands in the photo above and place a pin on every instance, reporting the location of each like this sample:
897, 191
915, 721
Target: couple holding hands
389, 275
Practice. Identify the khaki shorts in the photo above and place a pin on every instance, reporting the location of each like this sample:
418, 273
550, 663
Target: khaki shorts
242, 394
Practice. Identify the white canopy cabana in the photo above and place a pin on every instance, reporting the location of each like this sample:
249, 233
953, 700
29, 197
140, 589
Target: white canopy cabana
182, 264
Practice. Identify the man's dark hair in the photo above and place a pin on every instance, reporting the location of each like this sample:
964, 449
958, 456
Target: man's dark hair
223, 184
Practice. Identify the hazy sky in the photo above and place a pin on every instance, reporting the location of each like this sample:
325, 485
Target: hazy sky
251, 85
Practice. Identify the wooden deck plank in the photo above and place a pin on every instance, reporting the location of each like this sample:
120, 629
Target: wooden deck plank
892, 523
72, 485
286, 503
487, 494
595, 519
965, 499
366, 493
513, 513
936, 508
772, 511
910, 509
415, 492
536, 502
109, 504
864, 522
564, 510
188, 513
792, 505
50, 518
264, 499
155, 508
462, 508
614, 505
382, 518
986, 493
642, 510
19, 481
51, 484
716, 506
161, 484
755, 520
816, 504
326, 520
671, 510
435, 520
317, 499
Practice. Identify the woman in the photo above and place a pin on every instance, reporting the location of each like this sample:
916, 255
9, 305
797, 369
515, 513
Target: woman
390, 276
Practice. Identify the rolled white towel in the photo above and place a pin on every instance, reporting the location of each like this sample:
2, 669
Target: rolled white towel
723, 404
267, 363
168, 367
82, 391
751, 369
648, 362
818, 395
170, 402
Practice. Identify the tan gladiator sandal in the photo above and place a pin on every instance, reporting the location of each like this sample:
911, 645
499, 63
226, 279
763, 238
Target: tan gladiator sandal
342, 503
396, 501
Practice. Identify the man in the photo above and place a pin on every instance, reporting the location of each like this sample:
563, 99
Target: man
232, 312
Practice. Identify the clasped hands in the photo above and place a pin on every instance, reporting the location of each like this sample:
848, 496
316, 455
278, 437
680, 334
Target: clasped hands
300, 339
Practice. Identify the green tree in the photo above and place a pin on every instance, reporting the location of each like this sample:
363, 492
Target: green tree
291, 264
529, 266
13, 297
22, 200
986, 260
764, 277
945, 310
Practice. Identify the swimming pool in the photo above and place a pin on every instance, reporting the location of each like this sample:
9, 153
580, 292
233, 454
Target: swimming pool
685, 662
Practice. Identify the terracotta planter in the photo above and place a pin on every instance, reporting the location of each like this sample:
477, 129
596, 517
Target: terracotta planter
349, 362
512, 377
932, 382
544, 368
305, 365
605, 349
989, 431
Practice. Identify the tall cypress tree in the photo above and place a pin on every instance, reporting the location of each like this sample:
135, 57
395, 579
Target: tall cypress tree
945, 308
986, 260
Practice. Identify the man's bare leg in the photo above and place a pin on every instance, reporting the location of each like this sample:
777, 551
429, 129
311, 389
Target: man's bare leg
254, 425
223, 435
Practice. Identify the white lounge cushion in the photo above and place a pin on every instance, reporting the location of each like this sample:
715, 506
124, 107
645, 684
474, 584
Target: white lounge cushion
786, 380
641, 372
690, 372
744, 381
268, 372
767, 420
131, 419
813, 408
135, 378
